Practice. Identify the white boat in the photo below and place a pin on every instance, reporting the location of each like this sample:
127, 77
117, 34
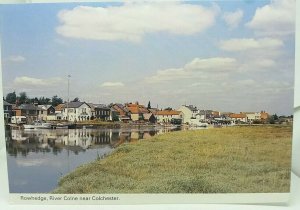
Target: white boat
61, 126
197, 123
203, 125
38, 125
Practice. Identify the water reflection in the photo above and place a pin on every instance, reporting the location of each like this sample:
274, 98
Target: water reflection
21, 142
38, 158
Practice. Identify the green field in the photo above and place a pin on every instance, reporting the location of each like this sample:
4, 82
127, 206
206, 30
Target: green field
244, 159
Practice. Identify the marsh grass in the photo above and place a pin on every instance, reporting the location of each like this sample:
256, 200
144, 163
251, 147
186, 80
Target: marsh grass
246, 159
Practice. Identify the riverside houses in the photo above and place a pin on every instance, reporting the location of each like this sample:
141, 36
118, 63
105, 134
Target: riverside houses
237, 118
30, 111
149, 117
92, 110
47, 112
264, 116
7, 107
252, 116
77, 111
188, 112
122, 112
59, 111
136, 111
102, 112
166, 116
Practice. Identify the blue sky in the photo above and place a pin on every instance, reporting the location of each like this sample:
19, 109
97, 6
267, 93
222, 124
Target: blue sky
224, 55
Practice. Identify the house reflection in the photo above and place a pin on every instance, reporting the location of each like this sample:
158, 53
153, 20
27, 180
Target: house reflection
21, 142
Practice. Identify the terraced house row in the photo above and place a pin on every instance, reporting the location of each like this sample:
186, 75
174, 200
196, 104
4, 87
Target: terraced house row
128, 112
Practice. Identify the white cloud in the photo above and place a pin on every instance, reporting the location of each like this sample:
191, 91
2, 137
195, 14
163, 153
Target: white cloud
233, 19
265, 63
276, 18
25, 81
251, 44
213, 65
16, 58
112, 84
132, 21
198, 68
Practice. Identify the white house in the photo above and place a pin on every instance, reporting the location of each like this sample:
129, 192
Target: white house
77, 111
165, 116
251, 116
188, 112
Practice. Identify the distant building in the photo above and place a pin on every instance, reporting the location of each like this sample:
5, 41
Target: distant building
8, 112
47, 112
30, 111
122, 112
264, 116
149, 117
93, 113
77, 111
237, 118
136, 111
59, 111
102, 112
252, 116
166, 116
188, 112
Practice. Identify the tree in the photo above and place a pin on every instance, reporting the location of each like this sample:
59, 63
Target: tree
273, 119
22, 99
76, 100
11, 97
149, 105
34, 100
44, 101
56, 100
115, 116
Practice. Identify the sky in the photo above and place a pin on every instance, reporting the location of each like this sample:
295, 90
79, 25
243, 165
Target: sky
230, 56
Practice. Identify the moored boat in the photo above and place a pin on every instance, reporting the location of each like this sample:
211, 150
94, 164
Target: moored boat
38, 125
65, 126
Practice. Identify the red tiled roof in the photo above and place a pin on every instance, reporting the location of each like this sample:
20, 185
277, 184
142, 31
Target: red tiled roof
237, 116
136, 108
133, 110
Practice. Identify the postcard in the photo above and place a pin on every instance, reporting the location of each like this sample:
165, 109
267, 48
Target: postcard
148, 102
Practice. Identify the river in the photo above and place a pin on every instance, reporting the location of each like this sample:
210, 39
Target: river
37, 159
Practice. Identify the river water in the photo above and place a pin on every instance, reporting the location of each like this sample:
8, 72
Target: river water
36, 159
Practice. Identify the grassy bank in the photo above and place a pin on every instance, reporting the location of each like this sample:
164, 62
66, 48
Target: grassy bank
228, 160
